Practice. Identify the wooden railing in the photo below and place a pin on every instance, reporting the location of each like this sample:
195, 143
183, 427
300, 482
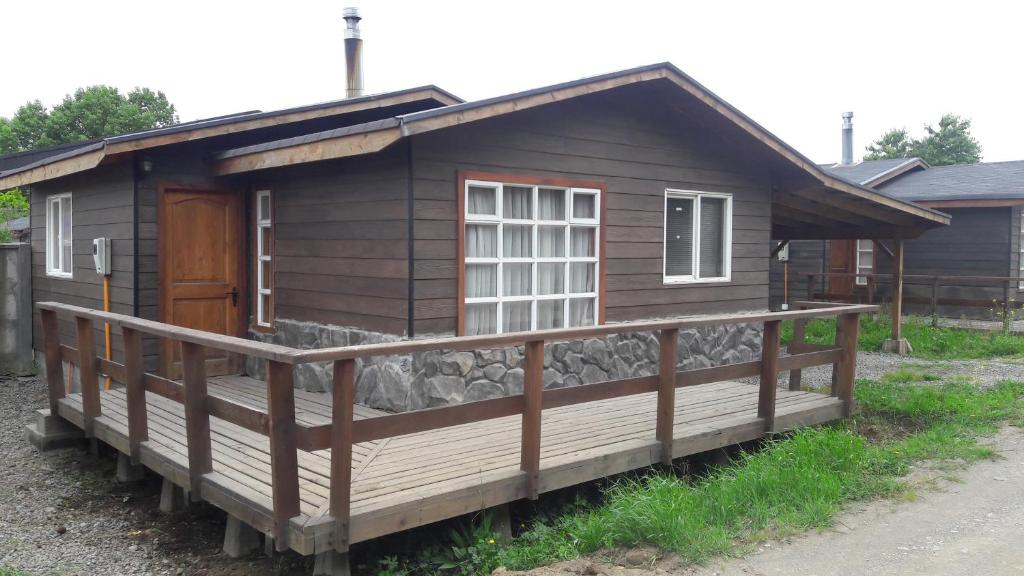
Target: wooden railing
1006, 284
286, 436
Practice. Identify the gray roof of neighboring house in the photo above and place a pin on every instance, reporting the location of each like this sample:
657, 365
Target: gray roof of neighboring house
19, 159
983, 181
866, 170
17, 224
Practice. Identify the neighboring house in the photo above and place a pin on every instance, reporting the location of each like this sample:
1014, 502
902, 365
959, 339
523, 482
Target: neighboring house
19, 228
627, 196
983, 238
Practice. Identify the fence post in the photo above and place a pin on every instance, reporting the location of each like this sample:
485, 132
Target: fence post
799, 337
811, 280
871, 289
135, 391
533, 393
87, 373
935, 301
343, 392
769, 374
667, 392
848, 326
1007, 319
284, 459
197, 418
54, 363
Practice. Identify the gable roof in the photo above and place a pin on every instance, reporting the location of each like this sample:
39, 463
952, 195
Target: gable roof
993, 181
875, 172
375, 136
36, 166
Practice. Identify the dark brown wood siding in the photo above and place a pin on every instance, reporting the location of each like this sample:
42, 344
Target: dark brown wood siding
341, 246
804, 256
638, 150
101, 206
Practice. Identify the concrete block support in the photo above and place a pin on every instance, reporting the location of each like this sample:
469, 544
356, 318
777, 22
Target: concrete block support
240, 539
128, 472
331, 563
50, 431
172, 497
900, 346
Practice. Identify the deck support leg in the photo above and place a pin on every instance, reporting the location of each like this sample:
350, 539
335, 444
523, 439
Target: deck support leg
50, 431
128, 472
769, 374
172, 497
269, 547
501, 521
331, 563
240, 539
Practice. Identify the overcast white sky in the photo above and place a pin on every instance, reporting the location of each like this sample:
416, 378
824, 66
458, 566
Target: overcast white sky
791, 66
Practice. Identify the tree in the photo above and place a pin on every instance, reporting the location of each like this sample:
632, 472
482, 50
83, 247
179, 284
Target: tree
12, 205
950, 143
89, 113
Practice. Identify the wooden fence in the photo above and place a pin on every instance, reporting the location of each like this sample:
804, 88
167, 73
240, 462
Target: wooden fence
286, 436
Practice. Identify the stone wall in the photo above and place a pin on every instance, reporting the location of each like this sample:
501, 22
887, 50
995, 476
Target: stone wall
16, 309
439, 378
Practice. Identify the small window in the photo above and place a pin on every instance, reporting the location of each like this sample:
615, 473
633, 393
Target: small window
59, 255
865, 260
264, 259
531, 257
698, 237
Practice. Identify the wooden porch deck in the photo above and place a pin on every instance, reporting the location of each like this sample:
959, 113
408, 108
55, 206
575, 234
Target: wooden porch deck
416, 479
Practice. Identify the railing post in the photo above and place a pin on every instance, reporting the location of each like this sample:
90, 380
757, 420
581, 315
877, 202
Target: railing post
341, 449
135, 391
848, 326
935, 301
87, 373
533, 392
795, 347
284, 460
811, 279
667, 392
871, 289
1007, 319
54, 363
769, 374
197, 417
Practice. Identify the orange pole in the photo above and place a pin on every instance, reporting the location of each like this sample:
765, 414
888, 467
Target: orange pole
106, 325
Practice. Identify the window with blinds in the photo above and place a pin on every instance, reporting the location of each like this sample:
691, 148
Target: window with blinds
698, 236
531, 257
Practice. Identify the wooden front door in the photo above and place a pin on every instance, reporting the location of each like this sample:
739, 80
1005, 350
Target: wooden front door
200, 237
842, 259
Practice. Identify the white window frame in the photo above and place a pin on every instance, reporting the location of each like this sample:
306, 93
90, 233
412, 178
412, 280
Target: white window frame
862, 280
55, 262
263, 221
567, 259
695, 277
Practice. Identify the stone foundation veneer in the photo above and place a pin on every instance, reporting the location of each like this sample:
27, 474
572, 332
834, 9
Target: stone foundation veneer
437, 378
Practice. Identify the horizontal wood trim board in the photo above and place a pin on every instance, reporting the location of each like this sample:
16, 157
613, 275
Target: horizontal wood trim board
806, 359
718, 373
599, 391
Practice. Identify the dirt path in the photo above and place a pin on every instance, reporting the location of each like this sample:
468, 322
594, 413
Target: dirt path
962, 523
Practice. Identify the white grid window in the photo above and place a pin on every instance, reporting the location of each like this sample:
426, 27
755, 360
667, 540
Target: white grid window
865, 260
698, 237
531, 257
59, 255
264, 256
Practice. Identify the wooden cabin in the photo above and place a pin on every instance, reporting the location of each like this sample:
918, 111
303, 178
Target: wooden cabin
981, 245
452, 272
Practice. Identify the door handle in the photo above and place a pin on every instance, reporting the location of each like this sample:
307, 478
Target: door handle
234, 296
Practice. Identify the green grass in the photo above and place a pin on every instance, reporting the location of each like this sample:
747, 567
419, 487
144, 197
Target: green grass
795, 483
928, 341
5, 571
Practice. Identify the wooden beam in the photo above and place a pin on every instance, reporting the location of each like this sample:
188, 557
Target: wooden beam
135, 392
665, 424
53, 357
796, 346
197, 419
87, 373
847, 334
314, 151
56, 169
533, 393
897, 289
821, 209
342, 415
881, 246
769, 374
857, 205
284, 459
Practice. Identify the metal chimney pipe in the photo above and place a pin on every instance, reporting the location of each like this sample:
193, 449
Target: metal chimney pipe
847, 138
353, 53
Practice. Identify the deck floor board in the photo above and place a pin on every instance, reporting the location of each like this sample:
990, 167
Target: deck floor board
420, 478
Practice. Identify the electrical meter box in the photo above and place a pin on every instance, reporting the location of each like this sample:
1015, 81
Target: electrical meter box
783, 254
101, 255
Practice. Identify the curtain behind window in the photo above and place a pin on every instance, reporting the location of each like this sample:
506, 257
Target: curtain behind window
679, 237
712, 237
